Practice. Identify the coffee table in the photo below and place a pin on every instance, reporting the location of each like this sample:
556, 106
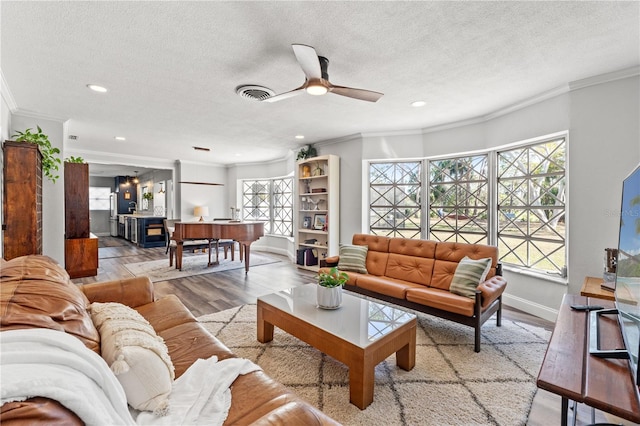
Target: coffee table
361, 333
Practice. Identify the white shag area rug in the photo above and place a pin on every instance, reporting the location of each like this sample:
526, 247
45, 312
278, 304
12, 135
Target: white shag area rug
450, 384
193, 264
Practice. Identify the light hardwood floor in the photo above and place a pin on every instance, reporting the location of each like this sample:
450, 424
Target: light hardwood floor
204, 294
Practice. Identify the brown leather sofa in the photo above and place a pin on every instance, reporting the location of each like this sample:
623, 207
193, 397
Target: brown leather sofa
37, 292
417, 274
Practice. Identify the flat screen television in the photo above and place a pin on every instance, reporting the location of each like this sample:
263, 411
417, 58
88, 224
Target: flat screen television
628, 270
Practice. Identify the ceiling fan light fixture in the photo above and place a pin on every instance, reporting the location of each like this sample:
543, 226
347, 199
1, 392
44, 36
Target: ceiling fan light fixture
316, 89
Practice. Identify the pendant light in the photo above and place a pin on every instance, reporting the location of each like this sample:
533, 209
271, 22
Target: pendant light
161, 188
135, 179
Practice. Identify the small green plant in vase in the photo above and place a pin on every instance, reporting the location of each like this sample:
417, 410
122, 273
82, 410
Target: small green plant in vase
333, 278
148, 195
329, 288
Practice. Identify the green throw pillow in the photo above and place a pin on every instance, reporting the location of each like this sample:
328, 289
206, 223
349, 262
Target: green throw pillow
353, 258
469, 274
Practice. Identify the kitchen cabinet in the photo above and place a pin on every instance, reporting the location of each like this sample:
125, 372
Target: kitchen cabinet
151, 231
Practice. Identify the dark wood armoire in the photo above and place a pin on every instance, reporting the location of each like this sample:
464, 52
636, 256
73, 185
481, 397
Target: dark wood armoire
22, 201
80, 246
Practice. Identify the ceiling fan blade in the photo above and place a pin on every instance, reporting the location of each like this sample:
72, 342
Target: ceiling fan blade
350, 92
308, 60
285, 95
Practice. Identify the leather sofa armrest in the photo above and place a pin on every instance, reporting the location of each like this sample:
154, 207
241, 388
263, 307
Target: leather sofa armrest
492, 289
132, 292
332, 261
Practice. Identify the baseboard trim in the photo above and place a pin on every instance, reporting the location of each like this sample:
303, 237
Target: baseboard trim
274, 250
530, 307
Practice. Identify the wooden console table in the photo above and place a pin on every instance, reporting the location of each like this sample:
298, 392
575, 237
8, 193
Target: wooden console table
570, 371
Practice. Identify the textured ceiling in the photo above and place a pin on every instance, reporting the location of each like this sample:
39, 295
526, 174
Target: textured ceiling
172, 67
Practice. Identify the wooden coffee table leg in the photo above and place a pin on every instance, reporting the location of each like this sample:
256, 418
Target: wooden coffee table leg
406, 357
361, 382
265, 329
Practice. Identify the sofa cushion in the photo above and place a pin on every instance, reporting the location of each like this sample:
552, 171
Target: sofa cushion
469, 274
410, 268
353, 258
448, 255
136, 355
36, 292
378, 253
410, 247
190, 341
441, 299
165, 313
385, 285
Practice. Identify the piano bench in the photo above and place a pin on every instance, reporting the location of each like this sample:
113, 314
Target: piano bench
201, 245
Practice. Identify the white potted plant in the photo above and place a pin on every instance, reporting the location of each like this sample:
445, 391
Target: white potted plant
329, 288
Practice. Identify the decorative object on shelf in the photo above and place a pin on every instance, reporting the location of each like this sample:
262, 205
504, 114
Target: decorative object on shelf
319, 221
306, 171
306, 223
320, 201
50, 162
308, 152
307, 186
311, 240
318, 190
201, 211
329, 289
318, 170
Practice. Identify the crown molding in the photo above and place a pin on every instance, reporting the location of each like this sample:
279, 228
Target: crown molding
6, 93
32, 114
605, 78
557, 91
123, 159
447, 126
403, 132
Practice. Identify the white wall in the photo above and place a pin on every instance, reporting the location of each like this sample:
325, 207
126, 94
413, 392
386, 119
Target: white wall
52, 194
5, 125
214, 197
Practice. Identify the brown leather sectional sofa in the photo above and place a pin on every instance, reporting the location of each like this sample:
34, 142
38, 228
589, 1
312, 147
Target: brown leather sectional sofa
417, 274
37, 292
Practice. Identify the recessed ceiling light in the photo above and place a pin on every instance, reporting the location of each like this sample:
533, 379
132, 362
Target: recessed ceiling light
299, 136
120, 138
418, 104
96, 88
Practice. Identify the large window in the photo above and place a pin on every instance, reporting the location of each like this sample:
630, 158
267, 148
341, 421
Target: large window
269, 201
512, 198
531, 206
459, 200
99, 198
394, 192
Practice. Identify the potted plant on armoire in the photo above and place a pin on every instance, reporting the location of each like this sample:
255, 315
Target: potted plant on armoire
80, 246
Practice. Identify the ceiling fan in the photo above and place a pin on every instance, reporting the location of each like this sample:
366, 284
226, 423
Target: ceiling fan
317, 79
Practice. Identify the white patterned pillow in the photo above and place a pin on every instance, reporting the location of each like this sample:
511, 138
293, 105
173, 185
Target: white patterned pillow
136, 354
353, 258
469, 274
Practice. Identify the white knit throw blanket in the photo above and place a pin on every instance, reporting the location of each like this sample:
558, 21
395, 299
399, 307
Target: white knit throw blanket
56, 365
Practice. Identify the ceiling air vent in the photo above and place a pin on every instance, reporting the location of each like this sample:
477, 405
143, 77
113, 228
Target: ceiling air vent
255, 93
73, 137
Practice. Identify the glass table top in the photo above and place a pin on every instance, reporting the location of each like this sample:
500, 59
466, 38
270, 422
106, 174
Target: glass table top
358, 321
